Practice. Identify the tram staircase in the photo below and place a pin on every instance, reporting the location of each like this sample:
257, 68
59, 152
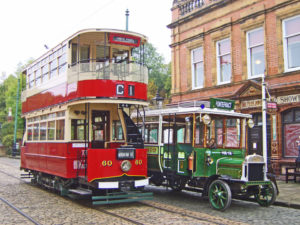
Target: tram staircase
134, 137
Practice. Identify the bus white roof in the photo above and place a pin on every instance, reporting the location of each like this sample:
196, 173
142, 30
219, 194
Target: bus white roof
192, 110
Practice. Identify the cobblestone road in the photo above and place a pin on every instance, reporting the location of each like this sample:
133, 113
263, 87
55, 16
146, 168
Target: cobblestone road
49, 208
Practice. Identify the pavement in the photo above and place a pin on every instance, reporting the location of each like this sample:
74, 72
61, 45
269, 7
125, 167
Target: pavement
289, 194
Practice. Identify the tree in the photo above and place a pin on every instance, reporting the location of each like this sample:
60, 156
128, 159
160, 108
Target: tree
159, 73
8, 94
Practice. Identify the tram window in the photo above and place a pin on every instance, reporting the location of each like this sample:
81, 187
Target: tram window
62, 63
43, 131
38, 77
117, 131
168, 136
102, 53
51, 130
188, 133
45, 70
180, 135
74, 54
199, 136
60, 129
36, 131
29, 132
232, 136
153, 138
120, 55
53, 68
77, 129
219, 131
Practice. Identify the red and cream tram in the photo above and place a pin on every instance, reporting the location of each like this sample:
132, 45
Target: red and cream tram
79, 138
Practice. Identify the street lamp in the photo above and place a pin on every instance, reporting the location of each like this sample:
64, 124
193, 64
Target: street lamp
158, 100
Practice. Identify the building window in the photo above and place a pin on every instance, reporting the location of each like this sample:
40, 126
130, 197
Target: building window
291, 43
255, 53
197, 68
224, 61
291, 131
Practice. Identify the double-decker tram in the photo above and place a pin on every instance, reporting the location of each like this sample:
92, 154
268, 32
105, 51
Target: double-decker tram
201, 146
79, 138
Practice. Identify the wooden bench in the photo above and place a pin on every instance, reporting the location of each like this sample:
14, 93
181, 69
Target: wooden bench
293, 172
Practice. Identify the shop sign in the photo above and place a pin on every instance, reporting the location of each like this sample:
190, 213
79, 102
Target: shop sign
288, 99
271, 105
221, 103
251, 104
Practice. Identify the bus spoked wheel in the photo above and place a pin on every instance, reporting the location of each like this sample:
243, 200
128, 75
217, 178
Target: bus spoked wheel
219, 194
266, 195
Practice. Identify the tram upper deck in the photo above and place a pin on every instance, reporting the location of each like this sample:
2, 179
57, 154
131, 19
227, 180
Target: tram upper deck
92, 63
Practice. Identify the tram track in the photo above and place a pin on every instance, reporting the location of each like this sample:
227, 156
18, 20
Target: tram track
19, 211
172, 211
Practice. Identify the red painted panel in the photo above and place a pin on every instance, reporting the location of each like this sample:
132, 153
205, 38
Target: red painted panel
87, 88
100, 168
52, 158
124, 39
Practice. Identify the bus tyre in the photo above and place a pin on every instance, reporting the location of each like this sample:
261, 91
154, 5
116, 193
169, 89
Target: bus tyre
219, 195
266, 195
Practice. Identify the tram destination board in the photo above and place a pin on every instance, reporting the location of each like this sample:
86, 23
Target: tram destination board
125, 153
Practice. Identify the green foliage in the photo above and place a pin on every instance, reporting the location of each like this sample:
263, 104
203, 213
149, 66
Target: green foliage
159, 72
7, 141
8, 99
7, 129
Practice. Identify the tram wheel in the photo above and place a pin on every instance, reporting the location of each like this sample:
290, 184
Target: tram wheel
266, 195
219, 194
177, 184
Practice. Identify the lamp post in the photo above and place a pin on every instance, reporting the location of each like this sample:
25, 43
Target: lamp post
14, 149
264, 116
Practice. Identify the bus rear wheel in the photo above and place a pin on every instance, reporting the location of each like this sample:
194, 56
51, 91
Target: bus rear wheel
219, 194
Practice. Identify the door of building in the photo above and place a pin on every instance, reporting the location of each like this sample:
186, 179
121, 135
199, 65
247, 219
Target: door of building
255, 137
100, 125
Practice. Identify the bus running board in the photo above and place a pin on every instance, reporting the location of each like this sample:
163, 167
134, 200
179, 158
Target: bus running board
121, 197
26, 175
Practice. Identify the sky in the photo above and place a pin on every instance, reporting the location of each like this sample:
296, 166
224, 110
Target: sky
27, 25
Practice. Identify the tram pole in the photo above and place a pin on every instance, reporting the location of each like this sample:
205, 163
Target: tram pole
127, 18
14, 149
264, 121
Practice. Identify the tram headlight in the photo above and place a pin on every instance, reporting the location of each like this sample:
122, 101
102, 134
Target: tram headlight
125, 166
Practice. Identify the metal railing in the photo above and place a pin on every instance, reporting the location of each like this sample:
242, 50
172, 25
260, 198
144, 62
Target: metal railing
93, 69
191, 5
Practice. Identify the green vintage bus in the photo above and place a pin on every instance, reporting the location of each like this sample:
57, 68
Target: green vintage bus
202, 145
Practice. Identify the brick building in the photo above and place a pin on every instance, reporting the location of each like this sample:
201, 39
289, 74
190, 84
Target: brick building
223, 48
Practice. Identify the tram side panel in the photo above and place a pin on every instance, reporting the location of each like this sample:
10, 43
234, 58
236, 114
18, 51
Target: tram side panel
59, 159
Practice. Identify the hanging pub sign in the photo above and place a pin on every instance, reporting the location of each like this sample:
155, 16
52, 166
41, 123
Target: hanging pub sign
123, 39
222, 104
271, 105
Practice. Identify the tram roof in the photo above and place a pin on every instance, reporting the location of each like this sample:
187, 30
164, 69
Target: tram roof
192, 110
88, 30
